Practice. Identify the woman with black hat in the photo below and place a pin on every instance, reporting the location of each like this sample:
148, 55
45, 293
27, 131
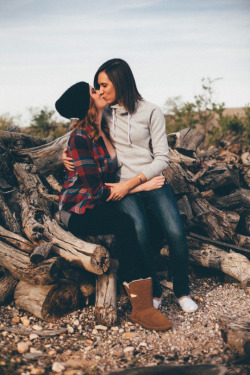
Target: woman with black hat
84, 206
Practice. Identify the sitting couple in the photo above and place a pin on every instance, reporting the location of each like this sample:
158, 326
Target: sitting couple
116, 153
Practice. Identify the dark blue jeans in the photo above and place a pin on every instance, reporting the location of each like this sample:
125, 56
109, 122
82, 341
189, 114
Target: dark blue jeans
163, 204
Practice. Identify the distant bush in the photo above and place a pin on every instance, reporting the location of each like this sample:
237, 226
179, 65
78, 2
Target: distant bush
6, 120
44, 124
207, 115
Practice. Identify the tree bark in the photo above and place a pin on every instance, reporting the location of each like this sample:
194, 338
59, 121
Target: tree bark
213, 221
8, 284
94, 258
236, 334
105, 305
240, 199
187, 140
210, 256
220, 176
47, 302
178, 179
20, 140
16, 240
41, 252
47, 158
18, 263
7, 218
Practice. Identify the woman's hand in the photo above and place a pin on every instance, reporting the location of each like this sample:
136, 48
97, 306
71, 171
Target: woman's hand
118, 191
155, 183
67, 161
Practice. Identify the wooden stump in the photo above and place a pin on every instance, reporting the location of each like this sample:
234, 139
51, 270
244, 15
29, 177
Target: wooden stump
106, 293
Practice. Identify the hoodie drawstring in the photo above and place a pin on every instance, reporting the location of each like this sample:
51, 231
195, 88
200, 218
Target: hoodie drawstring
129, 127
113, 115
114, 125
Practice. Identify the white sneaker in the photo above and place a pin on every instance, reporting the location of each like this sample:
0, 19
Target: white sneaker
156, 303
187, 304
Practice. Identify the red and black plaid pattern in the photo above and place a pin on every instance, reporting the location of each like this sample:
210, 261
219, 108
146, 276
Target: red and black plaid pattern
84, 187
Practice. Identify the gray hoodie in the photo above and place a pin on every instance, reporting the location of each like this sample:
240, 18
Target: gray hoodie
140, 140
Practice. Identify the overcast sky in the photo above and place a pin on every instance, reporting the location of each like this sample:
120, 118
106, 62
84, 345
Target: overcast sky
47, 45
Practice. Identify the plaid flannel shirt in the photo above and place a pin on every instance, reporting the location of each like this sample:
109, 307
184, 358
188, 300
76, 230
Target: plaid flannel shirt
84, 187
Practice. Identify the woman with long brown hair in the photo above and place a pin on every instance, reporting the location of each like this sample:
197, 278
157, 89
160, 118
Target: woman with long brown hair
84, 203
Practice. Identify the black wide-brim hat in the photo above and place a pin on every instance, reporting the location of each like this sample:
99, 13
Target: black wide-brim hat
74, 102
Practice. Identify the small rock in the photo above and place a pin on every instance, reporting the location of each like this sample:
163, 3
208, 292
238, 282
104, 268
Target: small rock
70, 329
142, 344
36, 327
114, 328
101, 328
33, 336
129, 335
32, 355
16, 320
22, 347
34, 350
57, 367
37, 371
25, 321
88, 341
129, 350
94, 331
76, 322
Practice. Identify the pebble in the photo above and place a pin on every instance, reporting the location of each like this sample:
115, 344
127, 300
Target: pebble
101, 328
88, 341
33, 336
70, 329
22, 347
129, 335
37, 371
25, 321
16, 320
34, 350
36, 327
57, 367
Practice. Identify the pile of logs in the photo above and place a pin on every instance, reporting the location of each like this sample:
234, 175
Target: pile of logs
50, 272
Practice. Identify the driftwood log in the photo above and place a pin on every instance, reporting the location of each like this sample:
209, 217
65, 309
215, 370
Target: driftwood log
19, 265
236, 334
212, 191
210, 256
47, 301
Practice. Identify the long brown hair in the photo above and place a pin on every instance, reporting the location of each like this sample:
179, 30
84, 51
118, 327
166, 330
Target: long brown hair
89, 123
120, 74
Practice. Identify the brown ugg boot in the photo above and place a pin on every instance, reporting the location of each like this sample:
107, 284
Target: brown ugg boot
140, 293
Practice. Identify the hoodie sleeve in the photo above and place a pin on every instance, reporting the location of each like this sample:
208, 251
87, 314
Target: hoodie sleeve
159, 142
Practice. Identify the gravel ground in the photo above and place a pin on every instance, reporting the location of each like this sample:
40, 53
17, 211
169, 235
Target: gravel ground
89, 349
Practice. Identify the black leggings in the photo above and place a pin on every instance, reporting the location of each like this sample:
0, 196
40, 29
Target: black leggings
106, 219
